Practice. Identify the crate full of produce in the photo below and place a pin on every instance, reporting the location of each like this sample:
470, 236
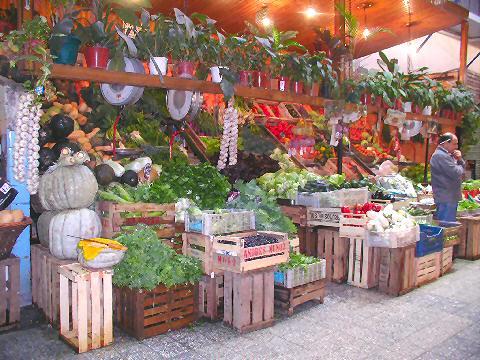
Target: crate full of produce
249, 251
451, 232
419, 215
391, 229
300, 270
224, 221
353, 220
336, 198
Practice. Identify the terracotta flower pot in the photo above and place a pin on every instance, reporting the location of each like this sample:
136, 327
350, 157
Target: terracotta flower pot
97, 56
260, 79
244, 78
185, 67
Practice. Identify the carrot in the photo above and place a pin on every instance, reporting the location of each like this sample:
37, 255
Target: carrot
82, 120
76, 135
103, 148
93, 133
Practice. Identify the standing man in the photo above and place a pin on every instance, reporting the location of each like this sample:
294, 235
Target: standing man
448, 169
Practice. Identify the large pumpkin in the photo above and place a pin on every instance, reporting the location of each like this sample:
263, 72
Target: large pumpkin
62, 230
68, 187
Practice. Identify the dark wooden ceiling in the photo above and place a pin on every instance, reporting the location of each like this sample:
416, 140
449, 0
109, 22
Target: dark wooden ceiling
288, 15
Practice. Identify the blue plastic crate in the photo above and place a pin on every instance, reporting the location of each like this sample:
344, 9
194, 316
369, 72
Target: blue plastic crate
279, 277
431, 240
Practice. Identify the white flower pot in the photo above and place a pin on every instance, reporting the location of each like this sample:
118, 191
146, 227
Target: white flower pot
215, 71
161, 63
407, 107
427, 110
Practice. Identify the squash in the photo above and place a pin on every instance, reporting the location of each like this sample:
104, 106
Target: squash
62, 230
100, 253
67, 187
106, 259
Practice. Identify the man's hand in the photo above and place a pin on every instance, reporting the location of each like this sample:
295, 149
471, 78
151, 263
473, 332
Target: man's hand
457, 154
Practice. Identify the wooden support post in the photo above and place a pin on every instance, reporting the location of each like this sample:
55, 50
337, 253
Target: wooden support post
463, 51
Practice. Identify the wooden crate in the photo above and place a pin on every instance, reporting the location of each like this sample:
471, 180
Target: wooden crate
210, 297
363, 264
46, 282
200, 247
249, 300
323, 217
288, 299
353, 225
87, 294
297, 213
469, 246
9, 293
229, 221
113, 217
397, 270
446, 260
427, 268
325, 243
144, 314
230, 255
294, 244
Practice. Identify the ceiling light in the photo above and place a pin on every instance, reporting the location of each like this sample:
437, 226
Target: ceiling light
266, 22
310, 12
366, 33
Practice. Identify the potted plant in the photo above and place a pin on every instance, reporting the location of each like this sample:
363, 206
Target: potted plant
99, 36
316, 64
300, 72
30, 44
188, 42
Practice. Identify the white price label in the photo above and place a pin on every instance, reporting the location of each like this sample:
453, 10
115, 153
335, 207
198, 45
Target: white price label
5, 188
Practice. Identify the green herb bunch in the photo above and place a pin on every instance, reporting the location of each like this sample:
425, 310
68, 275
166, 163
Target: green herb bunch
202, 184
148, 262
298, 260
268, 215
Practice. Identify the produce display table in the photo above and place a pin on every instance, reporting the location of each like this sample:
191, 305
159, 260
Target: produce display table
9, 293
469, 246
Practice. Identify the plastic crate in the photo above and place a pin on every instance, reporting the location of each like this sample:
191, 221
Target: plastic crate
431, 240
229, 221
301, 276
336, 198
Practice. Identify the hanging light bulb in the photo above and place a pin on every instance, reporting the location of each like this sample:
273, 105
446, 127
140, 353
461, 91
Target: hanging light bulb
266, 22
366, 33
366, 5
310, 12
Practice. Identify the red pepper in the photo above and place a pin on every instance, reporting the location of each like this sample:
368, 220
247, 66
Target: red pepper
345, 210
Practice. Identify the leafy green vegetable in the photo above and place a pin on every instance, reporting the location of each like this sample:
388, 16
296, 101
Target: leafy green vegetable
467, 205
284, 184
471, 185
148, 193
336, 180
298, 260
149, 262
268, 215
202, 184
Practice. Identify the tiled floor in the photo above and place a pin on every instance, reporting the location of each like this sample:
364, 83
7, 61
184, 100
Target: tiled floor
438, 321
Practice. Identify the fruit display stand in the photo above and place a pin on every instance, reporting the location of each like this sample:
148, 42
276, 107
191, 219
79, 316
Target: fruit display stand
46, 282
469, 246
87, 296
211, 297
9, 293
249, 299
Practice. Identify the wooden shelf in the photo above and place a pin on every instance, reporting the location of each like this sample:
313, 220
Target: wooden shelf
78, 73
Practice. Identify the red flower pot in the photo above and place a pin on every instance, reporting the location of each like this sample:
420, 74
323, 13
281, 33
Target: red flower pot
283, 83
260, 79
185, 67
297, 87
244, 78
416, 109
96, 56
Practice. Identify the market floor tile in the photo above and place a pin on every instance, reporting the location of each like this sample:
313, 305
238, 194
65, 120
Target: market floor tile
438, 321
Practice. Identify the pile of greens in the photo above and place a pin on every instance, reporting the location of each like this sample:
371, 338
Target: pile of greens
470, 185
202, 184
148, 262
155, 192
298, 260
416, 211
467, 204
415, 173
268, 215
284, 184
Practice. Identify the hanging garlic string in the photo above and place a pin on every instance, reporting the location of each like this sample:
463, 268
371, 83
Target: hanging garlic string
26, 148
228, 145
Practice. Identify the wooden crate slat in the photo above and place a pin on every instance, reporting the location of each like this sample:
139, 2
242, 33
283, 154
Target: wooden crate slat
211, 298
289, 299
397, 270
428, 268
363, 265
247, 306
165, 308
334, 249
9, 293
169, 315
446, 260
